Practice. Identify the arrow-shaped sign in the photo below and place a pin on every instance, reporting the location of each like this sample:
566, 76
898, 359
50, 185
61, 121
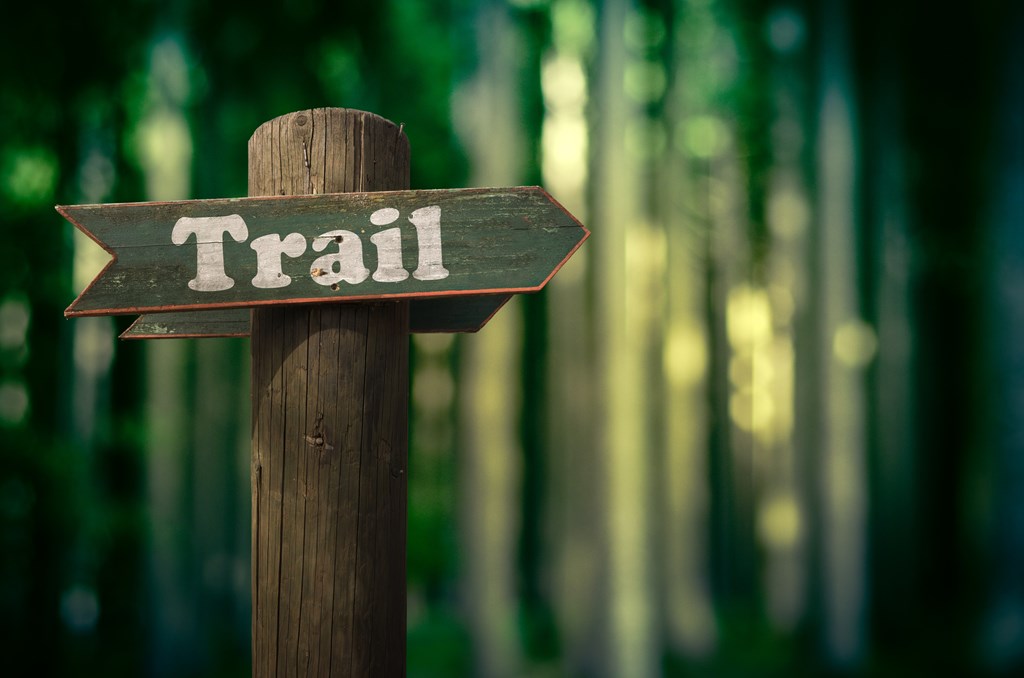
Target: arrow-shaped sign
434, 314
245, 252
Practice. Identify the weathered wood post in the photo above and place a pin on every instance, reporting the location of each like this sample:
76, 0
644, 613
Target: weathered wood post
330, 430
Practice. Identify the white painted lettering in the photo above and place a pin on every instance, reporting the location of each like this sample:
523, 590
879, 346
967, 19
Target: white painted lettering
389, 256
345, 264
427, 221
269, 250
385, 216
209, 232
389, 247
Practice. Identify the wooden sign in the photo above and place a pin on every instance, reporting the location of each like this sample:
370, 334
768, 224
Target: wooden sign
248, 252
433, 314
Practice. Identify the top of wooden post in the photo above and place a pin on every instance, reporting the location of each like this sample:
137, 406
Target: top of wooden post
305, 166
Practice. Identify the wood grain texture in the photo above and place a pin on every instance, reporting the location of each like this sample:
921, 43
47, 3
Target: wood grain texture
434, 314
330, 431
494, 240
233, 322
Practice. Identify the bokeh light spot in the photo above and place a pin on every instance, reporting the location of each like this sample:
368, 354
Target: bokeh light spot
14, 402
785, 30
703, 136
645, 81
29, 176
80, 609
855, 343
644, 30
14, 321
572, 25
779, 524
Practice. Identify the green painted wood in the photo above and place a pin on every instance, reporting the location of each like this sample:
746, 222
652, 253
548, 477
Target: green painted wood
494, 241
231, 322
432, 314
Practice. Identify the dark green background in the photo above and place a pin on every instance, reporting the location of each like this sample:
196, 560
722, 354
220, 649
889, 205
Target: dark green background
109, 566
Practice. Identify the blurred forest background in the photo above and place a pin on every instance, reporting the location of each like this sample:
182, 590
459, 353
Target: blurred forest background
768, 421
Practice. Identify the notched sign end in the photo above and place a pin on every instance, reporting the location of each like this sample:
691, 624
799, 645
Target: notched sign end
68, 212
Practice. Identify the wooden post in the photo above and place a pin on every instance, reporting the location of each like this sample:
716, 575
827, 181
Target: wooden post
330, 387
